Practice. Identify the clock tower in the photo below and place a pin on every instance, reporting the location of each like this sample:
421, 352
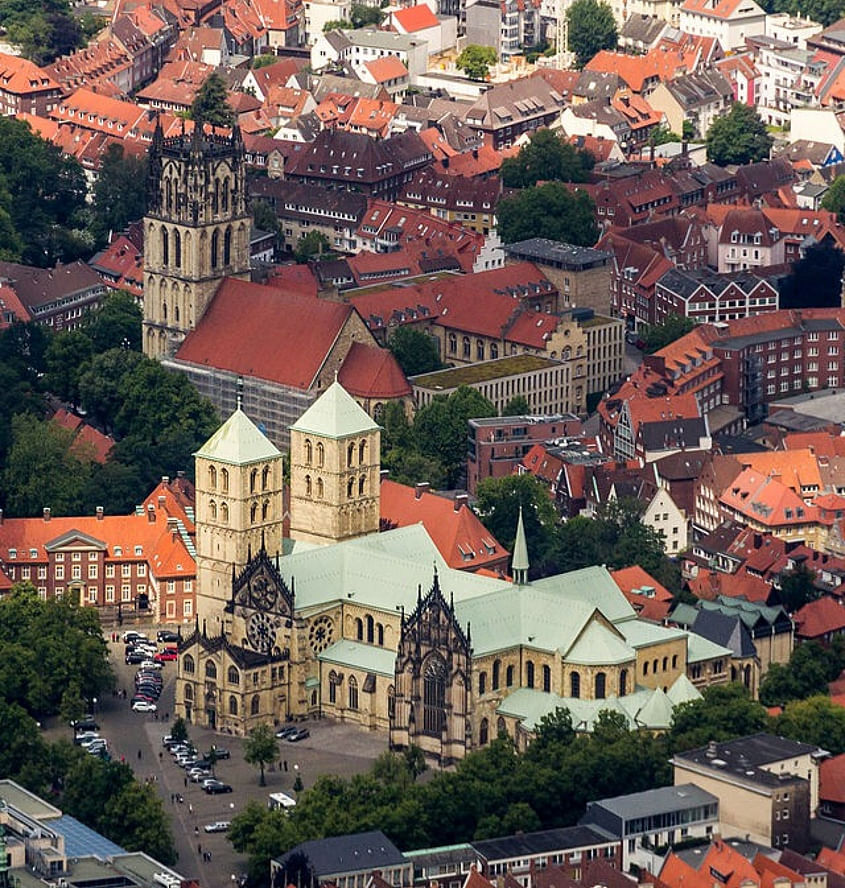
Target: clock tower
238, 510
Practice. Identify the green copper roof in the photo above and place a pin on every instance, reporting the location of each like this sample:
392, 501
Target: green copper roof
682, 690
335, 414
238, 442
520, 547
642, 633
700, 648
596, 645
354, 655
657, 711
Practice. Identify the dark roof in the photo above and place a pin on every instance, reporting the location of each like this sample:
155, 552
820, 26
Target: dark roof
685, 283
768, 175
537, 842
541, 249
746, 756
673, 433
365, 851
309, 199
652, 802
681, 466
730, 632
41, 286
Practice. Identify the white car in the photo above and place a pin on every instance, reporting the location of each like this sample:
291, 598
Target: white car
150, 664
144, 706
217, 826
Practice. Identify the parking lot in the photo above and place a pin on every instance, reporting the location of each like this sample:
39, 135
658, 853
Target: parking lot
136, 738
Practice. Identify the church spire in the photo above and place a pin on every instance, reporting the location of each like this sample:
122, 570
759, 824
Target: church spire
519, 561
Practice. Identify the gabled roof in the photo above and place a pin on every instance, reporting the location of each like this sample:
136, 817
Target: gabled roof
369, 371
832, 780
335, 414
460, 537
415, 18
238, 442
818, 618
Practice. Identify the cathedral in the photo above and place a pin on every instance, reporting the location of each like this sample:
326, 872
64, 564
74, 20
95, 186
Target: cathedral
342, 621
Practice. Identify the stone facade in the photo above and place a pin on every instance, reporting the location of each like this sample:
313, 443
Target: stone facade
196, 232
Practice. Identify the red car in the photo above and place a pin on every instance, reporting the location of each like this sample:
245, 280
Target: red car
165, 656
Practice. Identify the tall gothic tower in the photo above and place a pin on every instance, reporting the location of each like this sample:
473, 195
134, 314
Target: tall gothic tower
196, 231
335, 467
239, 508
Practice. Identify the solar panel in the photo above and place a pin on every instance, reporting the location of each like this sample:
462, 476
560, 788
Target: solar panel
81, 841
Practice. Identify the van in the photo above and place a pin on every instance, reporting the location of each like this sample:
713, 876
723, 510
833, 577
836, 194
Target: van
278, 801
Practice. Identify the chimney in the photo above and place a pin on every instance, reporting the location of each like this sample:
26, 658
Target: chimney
99, 513
161, 501
46, 513
420, 488
180, 473
151, 513
461, 499
383, 474
165, 479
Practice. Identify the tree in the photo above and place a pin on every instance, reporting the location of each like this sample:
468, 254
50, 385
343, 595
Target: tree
722, 713
658, 336
548, 157
264, 216
440, 428
43, 470
592, 28
120, 193
817, 720
517, 406
798, 587
738, 137
816, 279
116, 323
807, 673
834, 198
661, 135
315, 243
66, 356
551, 210
49, 194
179, 729
261, 748
43, 30
363, 15
475, 61
826, 12
499, 502
210, 105
416, 352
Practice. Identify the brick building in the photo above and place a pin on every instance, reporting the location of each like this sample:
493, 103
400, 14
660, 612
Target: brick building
26, 87
709, 298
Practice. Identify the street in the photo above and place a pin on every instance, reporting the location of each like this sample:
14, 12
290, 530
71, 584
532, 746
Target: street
136, 738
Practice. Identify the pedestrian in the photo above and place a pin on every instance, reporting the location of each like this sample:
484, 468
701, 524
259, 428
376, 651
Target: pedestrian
190, 808
172, 798
139, 753
166, 716
286, 766
186, 782
199, 849
160, 755
209, 856
196, 830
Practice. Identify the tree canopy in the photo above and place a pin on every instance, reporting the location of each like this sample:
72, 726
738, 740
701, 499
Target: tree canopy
834, 198
210, 103
416, 352
825, 12
657, 336
120, 194
738, 137
475, 61
43, 30
315, 243
816, 279
548, 157
261, 748
551, 210
592, 28
807, 673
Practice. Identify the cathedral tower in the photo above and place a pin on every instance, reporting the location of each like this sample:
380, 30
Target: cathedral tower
196, 231
335, 470
239, 508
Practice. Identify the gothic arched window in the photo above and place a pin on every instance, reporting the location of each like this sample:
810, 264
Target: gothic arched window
501, 727
482, 683
224, 513
265, 510
320, 488
353, 692
497, 668
215, 248
233, 676
379, 635
359, 629
265, 478
212, 477
575, 684
165, 247
224, 480
212, 509
391, 702
371, 628
509, 677
547, 679
224, 194
233, 705
188, 664
308, 485
177, 248
309, 452
529, 674
227, 246
210, 669
434, 696
483, 732
362, 452
255, 705
253, 513
362, 481
350, 485
623, 682
350, 453
321, 454
601, 686
333, 683
253, 480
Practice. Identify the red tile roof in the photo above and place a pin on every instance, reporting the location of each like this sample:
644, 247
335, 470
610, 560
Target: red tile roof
818, 443
832, 779
767, 501
283, 338
723, 9
818, 618
833, 860
415, 18
296, 279
460, 537
88, 443
370, 371
23, 77
387, 68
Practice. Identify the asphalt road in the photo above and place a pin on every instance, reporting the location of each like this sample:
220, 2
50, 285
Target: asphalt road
333, 748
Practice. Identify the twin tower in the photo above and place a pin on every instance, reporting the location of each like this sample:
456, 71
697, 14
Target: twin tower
334, 489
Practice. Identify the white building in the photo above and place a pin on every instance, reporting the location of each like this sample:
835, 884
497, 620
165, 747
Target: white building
318, 13
363, 45
729, 21
791, 29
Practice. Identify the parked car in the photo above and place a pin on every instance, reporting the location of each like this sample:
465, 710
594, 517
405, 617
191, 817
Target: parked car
283, 732
165, 656
144, 706
216, 787
141, 698
165, 635
298, 734
84, 724
198, 775
85, 737
151, 664
134, 657
217, 826
132, 635
221, 752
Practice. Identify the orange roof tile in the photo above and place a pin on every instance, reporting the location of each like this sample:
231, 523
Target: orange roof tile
415, 18
369, 371
387, 68
767, 501
460, 537
832, 779
833, 860
797, 469
818, 618
23, 77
